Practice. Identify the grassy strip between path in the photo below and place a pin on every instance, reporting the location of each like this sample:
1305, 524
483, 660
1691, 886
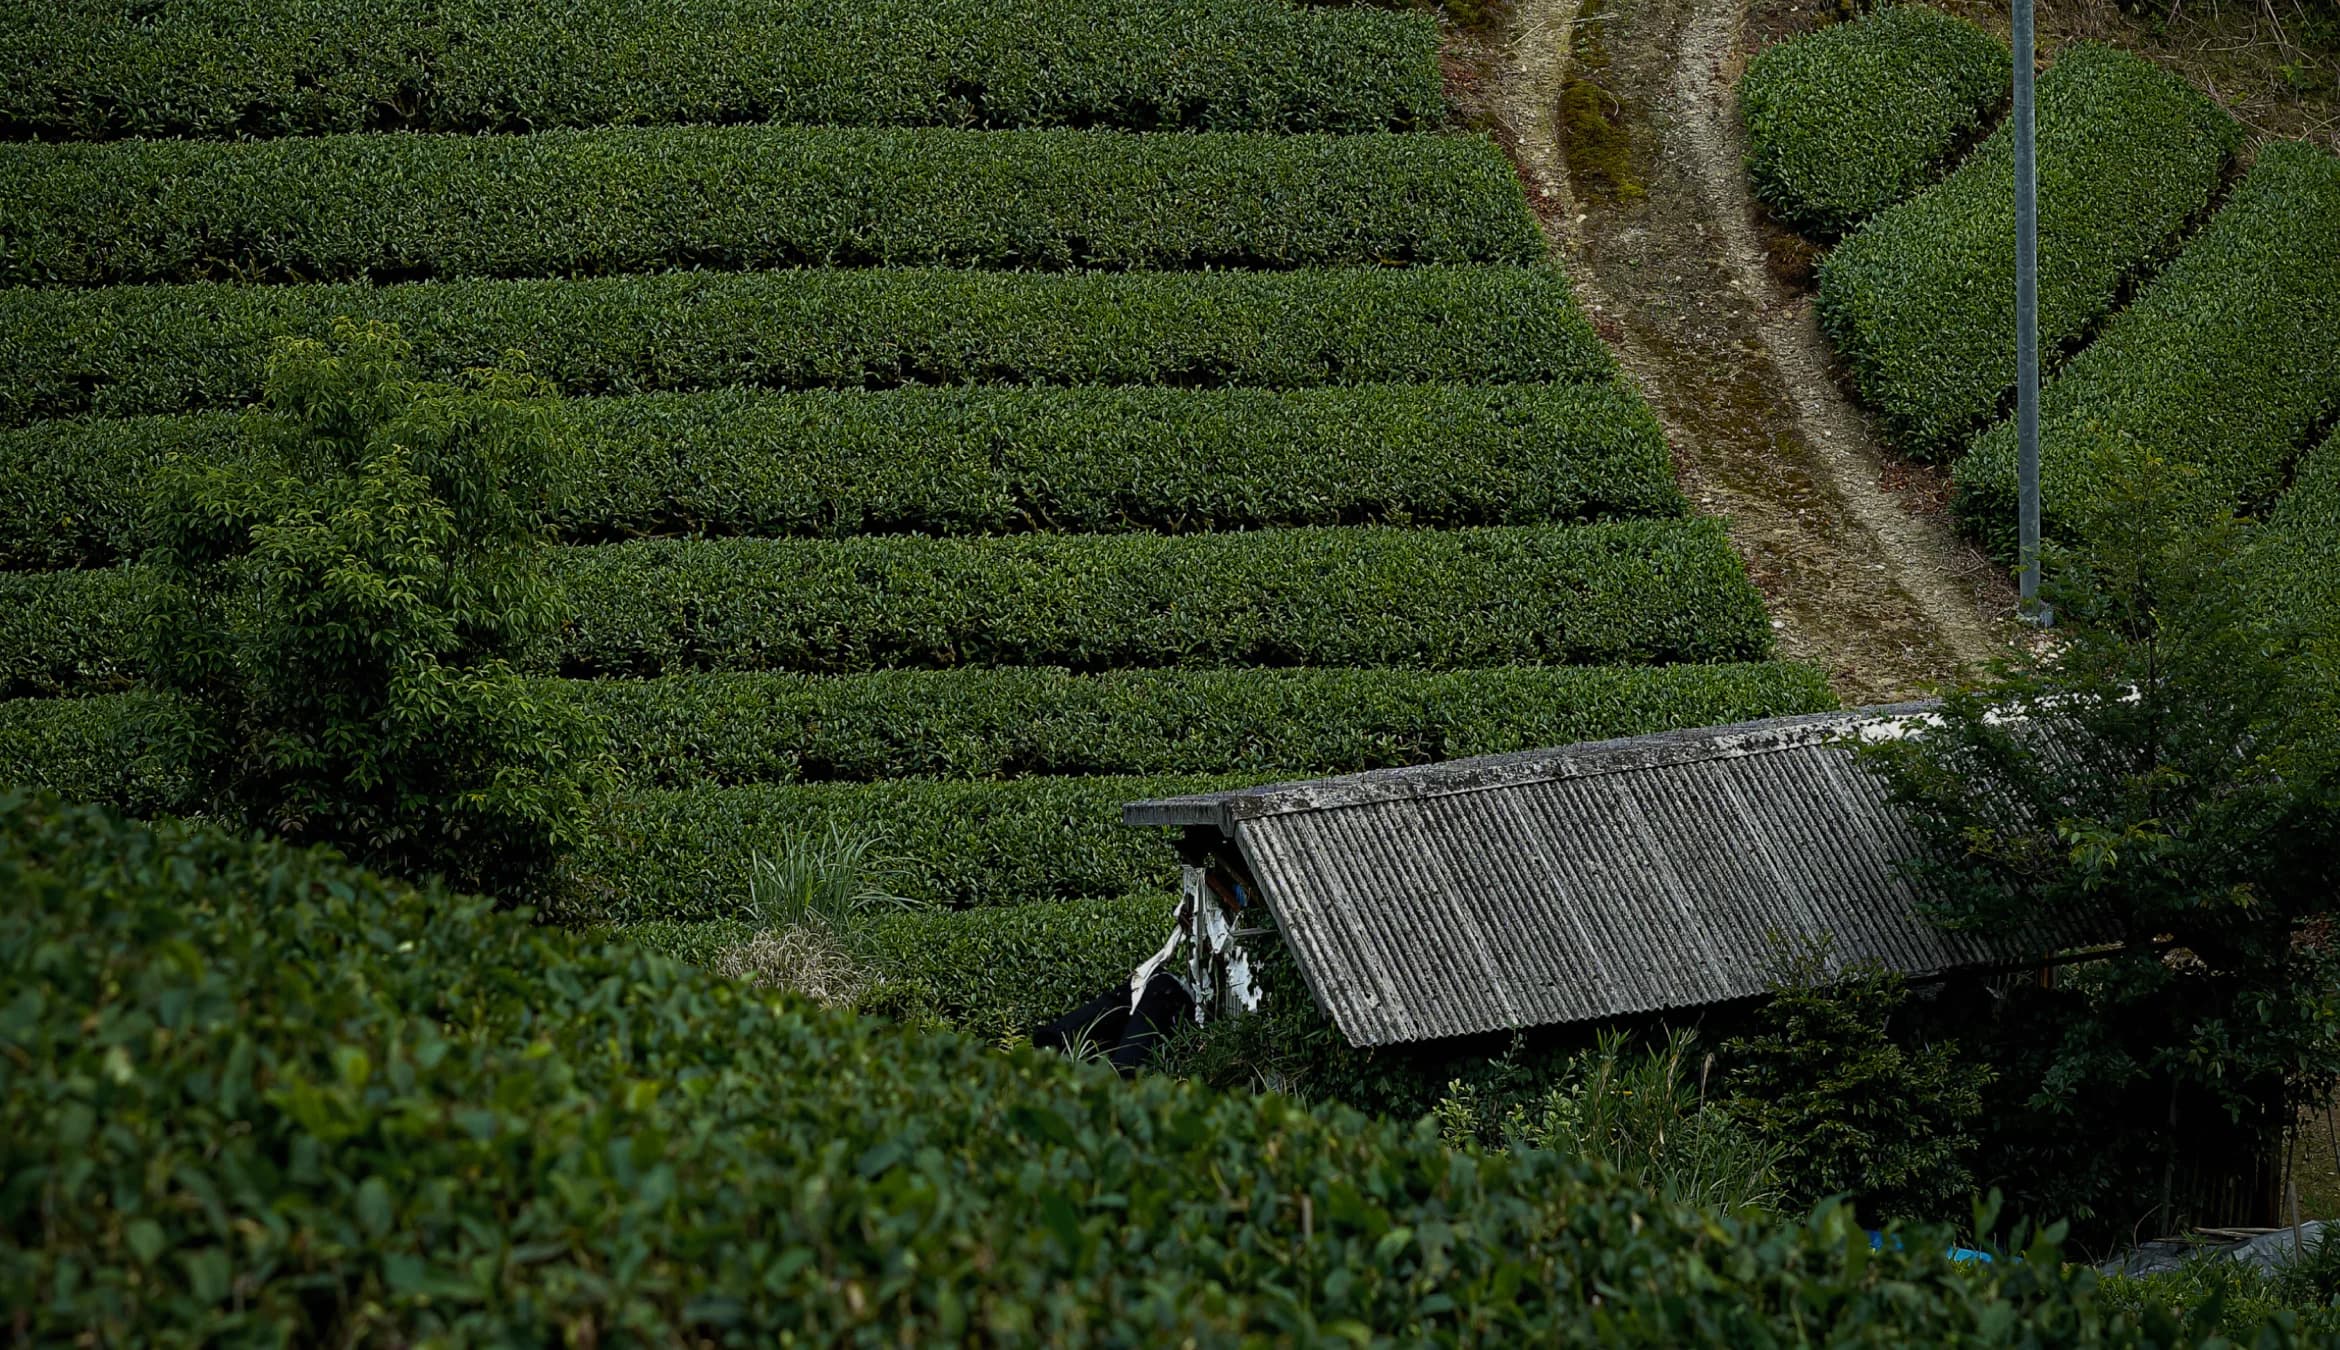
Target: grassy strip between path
2227, 361
965, 461
124, 350
1845, 122
589, 203
733, 729
392, 1113
85, 68
1921, 301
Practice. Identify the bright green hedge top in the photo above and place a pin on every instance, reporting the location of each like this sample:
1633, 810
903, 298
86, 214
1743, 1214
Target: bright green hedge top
1845, 122
962, 461
248, 1094
587, 203
1921, 300
2228, 361
94, 68
122, 350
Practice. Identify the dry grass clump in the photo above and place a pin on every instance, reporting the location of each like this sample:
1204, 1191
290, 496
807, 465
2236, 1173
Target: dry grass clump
806, 959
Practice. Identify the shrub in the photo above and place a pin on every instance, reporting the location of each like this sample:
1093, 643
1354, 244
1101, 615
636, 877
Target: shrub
118, 351
1921, 300
584, 203
251, 1094
80, 69
2227, 361
1845, 122
689, 855
1632, 591
969, 461
338, 635
1849, 1109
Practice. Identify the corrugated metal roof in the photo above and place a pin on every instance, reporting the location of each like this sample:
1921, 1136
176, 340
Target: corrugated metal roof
1585, 882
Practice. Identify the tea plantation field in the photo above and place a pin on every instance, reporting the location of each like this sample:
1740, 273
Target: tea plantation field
2189, 283
985, 416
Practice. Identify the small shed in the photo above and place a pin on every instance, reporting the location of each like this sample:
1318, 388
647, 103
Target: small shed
1553, 886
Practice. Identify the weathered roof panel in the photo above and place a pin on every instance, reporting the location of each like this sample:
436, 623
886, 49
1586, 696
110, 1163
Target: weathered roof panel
1585, 882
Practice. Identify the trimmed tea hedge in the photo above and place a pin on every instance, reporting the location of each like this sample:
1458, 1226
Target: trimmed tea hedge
1006, 970
1623, 592
70, 632
94, 750
1013, 722
2307, 521
84, 68
253, 1095
119, 351
1921, 301
991, 971
1845, 122
587, 203
688, 855
2312, 506
963, 461
2228, 360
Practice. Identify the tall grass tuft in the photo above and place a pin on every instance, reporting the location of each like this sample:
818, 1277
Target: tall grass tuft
1645, 1114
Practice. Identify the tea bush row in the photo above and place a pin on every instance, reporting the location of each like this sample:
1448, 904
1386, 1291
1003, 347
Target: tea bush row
1845, 122
2228, 361
1621, 592
965, 461
994, 972
79, 69
588, 203
1011, 722
252, 1095
126, 350
1921, 300
687, 855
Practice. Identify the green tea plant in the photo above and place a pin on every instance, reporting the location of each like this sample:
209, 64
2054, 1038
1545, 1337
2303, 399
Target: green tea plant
2228, 361
337, 616
125, 350
1920, 301
636, 199
81, 69
1849, 120
989, 461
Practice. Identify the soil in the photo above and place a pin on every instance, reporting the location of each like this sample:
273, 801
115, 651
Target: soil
1862, 570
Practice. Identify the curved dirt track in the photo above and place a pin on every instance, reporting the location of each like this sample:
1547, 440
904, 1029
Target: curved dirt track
1871, 584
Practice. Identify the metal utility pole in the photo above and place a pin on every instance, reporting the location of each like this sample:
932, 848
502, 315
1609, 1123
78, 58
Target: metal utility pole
2027, 314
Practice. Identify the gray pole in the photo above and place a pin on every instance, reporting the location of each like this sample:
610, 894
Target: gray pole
2027, 313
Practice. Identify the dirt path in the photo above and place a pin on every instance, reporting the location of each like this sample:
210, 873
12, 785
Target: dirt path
1870, 583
